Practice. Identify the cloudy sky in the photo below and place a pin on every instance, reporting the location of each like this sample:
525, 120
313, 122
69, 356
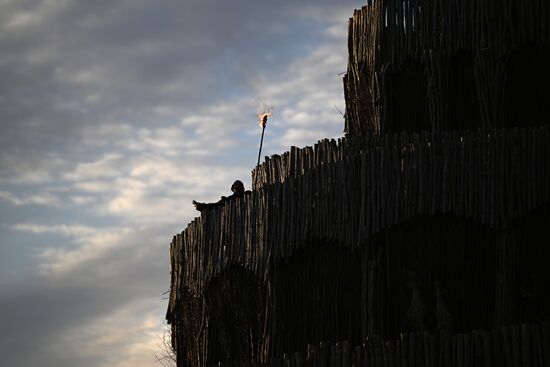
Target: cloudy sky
114, 115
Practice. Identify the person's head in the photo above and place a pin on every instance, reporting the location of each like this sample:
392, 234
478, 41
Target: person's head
237, 187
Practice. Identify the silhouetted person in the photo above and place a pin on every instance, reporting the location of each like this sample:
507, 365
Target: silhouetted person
238, 191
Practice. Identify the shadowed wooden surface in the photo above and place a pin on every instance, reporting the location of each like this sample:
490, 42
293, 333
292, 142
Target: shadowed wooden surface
354, 197
429, 219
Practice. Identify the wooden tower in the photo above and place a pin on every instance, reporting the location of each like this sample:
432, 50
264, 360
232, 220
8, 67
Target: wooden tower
420, 238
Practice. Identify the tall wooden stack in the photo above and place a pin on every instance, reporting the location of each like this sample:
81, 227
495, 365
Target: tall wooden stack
422, 237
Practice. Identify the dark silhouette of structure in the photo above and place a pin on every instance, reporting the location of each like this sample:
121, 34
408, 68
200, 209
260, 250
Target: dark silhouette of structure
421, 238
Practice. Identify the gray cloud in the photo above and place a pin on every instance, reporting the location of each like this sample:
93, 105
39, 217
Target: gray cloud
38, 314
115, 115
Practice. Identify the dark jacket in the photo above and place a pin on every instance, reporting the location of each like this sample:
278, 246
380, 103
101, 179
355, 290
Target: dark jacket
202, 206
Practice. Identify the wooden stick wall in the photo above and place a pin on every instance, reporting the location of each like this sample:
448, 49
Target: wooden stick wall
466, 162
383, 34
517, 345
346, 194
347, 191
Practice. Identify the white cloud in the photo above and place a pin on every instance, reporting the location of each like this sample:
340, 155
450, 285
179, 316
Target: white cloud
106, 167
40, 13
337, 31
82, 200
21, 20
45, 199
158, 190
309, 95
88, 244
93, 187
166, 141
73, 231
128, 336
92, 244
150, 187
